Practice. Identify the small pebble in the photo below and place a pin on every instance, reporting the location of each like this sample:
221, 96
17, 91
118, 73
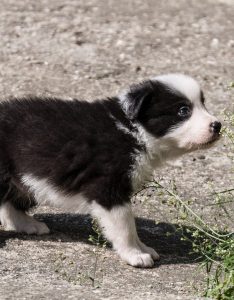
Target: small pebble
138, 68
230, 43
201, 157
214, 43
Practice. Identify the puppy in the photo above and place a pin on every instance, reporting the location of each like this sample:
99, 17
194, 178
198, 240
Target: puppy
90, 157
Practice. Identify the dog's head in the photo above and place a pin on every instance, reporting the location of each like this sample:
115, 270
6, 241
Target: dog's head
172, 108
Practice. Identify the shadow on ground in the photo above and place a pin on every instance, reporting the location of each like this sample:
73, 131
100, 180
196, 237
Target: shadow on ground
165, 238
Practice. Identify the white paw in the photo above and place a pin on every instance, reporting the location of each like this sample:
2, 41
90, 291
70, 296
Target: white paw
33, 226
149, 250
27, 225
136, 258
16, 220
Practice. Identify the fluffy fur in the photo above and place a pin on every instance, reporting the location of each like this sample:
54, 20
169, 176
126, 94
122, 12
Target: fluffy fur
91, 157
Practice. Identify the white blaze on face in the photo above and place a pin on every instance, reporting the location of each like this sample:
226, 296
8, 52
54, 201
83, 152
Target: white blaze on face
186, 85
194, 132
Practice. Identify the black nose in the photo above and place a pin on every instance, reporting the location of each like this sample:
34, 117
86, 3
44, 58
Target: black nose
215, 127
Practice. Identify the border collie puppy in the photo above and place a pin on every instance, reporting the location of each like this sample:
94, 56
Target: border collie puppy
90, 157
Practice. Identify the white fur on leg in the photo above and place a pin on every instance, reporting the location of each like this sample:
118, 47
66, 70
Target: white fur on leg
118, 225
16, 220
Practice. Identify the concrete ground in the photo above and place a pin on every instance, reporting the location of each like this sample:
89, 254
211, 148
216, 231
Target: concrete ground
90, 49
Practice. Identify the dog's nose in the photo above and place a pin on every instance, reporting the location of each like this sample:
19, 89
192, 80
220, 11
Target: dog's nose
215, 127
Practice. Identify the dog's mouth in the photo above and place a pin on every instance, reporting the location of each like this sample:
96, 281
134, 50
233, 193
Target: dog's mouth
210, 142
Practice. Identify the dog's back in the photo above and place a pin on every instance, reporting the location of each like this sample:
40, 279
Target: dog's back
75, 145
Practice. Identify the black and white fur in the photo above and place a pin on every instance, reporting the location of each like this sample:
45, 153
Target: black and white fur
90, 157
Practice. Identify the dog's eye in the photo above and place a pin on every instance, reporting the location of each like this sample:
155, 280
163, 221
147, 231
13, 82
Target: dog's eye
184, 111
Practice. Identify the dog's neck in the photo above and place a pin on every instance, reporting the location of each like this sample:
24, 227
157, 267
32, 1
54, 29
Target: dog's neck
155, 151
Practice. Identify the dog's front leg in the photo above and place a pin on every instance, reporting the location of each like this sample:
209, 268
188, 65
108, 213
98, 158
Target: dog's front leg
118, 225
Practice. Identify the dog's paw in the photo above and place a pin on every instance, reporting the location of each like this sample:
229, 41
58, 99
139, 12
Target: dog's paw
27, 225
149, 250
32, 226
18, 221
136, 258
141, 260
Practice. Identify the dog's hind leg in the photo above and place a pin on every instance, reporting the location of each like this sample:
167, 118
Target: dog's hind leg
13, 219
12, 212
118, 225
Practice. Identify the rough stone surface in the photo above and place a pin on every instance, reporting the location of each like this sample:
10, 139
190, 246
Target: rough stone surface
89, 49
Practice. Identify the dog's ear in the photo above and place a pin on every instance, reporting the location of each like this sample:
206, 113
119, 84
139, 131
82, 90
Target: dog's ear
136, 98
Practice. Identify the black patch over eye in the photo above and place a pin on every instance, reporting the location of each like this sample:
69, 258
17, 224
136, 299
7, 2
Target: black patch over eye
184, 111
162, 109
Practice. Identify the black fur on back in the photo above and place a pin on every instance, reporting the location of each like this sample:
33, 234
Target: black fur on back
75, 145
